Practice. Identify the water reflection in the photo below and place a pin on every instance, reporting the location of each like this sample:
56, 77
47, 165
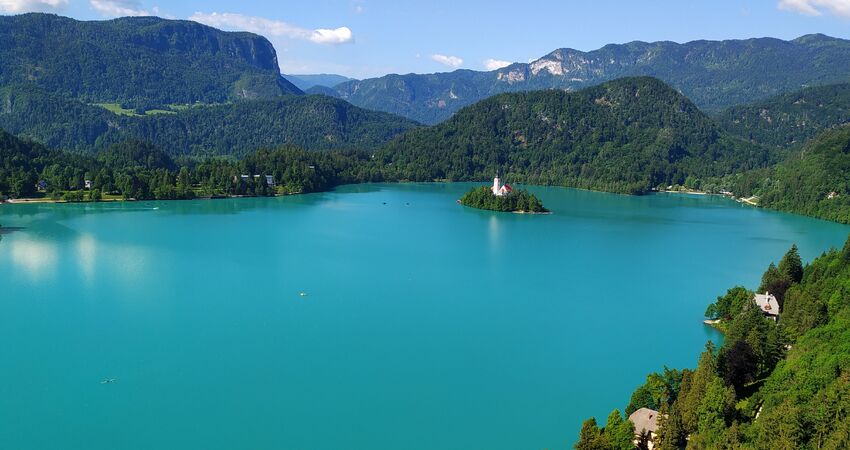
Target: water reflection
86, 256
36, 258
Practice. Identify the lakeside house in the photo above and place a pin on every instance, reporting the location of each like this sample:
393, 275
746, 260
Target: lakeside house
645, 420
88, 184
247, 178
499, 189
768, 305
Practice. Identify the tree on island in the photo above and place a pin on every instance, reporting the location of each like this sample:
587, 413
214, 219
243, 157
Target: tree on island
518, 200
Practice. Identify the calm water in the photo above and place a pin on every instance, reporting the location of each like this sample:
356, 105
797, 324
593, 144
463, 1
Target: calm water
425, 325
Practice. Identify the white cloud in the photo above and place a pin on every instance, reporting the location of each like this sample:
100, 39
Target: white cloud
495, 64
119, 8
22, 6
451, 61
817, 7
274, 28
339, 35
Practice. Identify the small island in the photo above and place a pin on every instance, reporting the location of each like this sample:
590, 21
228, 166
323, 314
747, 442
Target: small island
504, 198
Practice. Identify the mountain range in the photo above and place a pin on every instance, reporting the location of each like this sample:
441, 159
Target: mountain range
326, 80
714, 74
138, 61
192, 92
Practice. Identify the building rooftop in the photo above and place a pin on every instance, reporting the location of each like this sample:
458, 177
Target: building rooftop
645, 419
767, 303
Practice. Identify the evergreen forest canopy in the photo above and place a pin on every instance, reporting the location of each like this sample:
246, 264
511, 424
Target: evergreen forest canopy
790, 119
139, 170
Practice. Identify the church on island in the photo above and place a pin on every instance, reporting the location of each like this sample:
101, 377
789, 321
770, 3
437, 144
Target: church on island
500, 189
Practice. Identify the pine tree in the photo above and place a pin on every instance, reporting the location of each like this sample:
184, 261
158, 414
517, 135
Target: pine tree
791, 265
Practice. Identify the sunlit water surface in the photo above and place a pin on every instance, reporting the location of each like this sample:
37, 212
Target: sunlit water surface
422, 324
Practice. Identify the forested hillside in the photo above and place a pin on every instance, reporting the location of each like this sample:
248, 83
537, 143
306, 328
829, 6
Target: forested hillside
139, 61
713, 74
310, 122
790, 119
814, 181
771, 385
629, 135
139, 170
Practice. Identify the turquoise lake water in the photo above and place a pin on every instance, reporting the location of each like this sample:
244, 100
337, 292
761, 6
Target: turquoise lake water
425, 325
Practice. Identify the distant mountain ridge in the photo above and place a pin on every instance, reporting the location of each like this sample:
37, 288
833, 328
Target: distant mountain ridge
326, 80
138, 60
714, 74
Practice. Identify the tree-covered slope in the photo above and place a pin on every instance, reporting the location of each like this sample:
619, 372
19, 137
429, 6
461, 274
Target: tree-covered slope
628, 135
814, 181
771, 385
792, 118
311, 122
21, 161
137, 60
714, 74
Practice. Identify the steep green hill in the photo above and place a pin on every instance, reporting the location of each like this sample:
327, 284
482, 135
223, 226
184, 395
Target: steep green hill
137, 60
814, 181
714, 74
790, 119
628, 135
311, 122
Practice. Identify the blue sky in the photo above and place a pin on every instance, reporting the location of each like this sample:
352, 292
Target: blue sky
364, 38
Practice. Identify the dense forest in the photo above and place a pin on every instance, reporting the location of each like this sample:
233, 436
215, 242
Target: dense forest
139, 170
137, 60
814, 180
311, 122
518, 200
792, 118
771, 385
630, 136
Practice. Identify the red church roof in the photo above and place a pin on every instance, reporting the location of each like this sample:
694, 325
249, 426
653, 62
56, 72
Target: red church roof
508, 187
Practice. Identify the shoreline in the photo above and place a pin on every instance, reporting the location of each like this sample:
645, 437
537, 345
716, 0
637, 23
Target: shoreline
30, 201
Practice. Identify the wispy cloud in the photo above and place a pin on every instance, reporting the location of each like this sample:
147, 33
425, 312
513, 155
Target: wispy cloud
274, 28
119, 8
22, 6
496, 64
451, 61
817, 7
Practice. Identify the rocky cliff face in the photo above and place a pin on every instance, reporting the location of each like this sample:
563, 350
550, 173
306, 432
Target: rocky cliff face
137, 60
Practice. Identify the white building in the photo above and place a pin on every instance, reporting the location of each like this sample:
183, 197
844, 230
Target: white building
645, 420
499, 189
768, 304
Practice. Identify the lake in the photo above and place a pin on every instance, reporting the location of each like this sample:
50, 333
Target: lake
373, 316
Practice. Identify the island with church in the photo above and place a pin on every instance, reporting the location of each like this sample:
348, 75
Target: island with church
503, 197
